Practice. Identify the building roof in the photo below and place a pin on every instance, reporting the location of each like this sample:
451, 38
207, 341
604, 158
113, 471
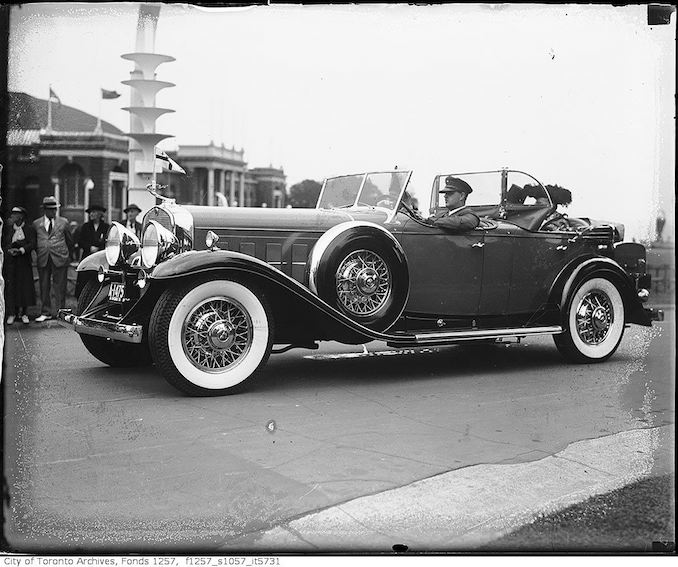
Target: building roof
211, 152
23, 137
27, 112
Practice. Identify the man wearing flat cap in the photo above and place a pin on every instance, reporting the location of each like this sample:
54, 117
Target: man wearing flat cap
131, 223
55, 245
93, 233
457, 217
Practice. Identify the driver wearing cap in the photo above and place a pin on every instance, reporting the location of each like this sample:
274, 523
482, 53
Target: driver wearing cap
457, 217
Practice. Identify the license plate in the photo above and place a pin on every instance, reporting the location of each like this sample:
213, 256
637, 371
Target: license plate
116, 292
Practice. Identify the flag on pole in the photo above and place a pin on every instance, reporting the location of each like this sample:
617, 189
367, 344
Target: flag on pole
109, 94
167, 162
53, 96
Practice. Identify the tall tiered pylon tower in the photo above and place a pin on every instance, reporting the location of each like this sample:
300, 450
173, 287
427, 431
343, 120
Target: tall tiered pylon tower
144, 87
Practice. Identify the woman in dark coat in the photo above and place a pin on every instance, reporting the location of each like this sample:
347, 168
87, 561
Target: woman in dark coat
93, 233
18, 241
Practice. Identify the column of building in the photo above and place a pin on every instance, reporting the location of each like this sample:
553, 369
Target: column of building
231, 197
210, 186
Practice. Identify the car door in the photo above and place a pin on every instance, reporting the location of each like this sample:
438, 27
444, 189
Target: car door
497, 270
445, 270
537, 259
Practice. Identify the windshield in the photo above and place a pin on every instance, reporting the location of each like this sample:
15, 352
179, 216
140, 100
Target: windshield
380, 189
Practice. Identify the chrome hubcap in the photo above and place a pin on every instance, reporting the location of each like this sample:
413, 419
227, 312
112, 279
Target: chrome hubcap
367, 281
363, 283
217, 334
221, 335
594, 317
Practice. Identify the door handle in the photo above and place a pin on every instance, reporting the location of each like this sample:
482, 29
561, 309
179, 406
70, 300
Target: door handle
478, 245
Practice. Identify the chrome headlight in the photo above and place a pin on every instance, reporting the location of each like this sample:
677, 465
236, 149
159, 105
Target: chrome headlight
156, 243
121, 244
113, 244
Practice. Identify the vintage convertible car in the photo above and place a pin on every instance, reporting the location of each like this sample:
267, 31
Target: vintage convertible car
209, 291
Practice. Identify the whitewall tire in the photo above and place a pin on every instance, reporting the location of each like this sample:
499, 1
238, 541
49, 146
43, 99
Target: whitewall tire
594, 322
210, 337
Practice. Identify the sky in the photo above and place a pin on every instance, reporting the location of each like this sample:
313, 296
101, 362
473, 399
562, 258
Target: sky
579, 96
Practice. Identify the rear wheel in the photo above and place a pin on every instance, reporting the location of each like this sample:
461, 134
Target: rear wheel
210, 337
114, 353
593, 321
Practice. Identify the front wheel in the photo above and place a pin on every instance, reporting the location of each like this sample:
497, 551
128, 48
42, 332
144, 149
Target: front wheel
594, 322
209, 338
113, 353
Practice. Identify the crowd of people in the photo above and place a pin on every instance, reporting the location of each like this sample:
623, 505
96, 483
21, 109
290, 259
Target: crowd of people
51, 243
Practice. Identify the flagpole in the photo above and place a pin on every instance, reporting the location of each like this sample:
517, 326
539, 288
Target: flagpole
98, 128
49, 110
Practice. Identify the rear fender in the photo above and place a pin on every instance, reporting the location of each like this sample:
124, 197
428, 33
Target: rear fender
579, 270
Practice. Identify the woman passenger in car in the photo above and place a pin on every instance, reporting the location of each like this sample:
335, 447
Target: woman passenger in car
457, 217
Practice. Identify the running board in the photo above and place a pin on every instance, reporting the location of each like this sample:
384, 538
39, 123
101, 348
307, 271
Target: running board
441, 337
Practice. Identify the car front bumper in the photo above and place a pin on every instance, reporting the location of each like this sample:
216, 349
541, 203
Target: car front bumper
655, 314
99, 328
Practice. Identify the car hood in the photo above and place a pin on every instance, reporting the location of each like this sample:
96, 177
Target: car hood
283, 219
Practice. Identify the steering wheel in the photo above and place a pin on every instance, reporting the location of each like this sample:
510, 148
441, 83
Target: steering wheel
412, 212
557, 222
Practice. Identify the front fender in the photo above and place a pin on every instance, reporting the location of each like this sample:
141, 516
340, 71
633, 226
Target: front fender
93, 261
200, 261
225, 261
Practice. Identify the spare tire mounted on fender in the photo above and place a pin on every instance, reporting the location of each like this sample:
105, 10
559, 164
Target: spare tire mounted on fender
360, 269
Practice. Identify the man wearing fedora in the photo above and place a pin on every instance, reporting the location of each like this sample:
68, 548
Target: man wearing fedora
457, 217
93, 233
54, 252
131, 223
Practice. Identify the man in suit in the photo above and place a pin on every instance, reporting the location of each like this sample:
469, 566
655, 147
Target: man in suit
131, 223
54, 252
93, 233
457, 217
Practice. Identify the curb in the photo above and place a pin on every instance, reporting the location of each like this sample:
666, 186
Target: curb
467, 508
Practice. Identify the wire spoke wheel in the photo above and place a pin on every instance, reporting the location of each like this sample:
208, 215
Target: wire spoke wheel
363, 283
217, 334
210, 337
594, 317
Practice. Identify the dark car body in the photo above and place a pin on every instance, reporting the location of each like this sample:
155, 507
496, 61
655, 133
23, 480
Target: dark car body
363, 266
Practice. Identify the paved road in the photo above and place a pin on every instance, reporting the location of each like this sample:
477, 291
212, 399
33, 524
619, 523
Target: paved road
104, 459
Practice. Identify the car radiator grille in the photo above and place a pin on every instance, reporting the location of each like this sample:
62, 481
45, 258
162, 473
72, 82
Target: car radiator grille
160, 216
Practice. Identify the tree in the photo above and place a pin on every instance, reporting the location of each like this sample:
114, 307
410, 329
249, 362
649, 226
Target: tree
305, 194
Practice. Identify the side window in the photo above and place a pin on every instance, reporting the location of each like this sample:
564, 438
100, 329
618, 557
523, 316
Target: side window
485, 197
486, 188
